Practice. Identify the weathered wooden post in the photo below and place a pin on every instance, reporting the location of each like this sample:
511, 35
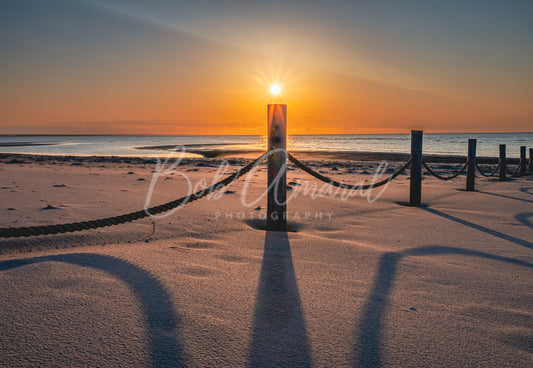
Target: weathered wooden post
415, 188
471, 165
277, 164
531, 160
522, 169
503, 165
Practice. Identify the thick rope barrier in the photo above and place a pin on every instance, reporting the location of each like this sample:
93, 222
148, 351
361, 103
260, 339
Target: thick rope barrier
516, 171
491, 174
11, 232
438, 176
129, 217
327, 180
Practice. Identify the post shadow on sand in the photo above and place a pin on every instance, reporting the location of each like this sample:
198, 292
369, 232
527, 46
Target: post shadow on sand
162, 322
279, 336
369, 336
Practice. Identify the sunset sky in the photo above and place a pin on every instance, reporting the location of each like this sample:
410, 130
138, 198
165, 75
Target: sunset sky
206, 67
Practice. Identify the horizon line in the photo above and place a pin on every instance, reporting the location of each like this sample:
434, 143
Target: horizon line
237, 135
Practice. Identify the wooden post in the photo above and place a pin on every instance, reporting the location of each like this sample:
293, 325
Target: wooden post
502, 163
531, 160
415, 189
277, 164
522, 160
471, 166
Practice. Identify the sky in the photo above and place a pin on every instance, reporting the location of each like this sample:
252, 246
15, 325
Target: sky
167, 67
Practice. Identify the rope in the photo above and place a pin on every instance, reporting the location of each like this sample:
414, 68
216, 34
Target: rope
325, 179
129, 217
438, 176
491, 174
515, 173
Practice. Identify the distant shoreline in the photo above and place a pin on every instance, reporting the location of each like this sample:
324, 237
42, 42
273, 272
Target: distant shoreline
241, 155
447, 148
26, 144
235, 135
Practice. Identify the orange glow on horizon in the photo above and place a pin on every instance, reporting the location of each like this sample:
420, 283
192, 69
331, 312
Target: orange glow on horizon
164, 69
318, 102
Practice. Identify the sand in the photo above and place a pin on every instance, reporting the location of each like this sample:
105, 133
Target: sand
353, 284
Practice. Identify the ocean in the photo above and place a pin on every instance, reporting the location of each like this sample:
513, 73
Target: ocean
442, 144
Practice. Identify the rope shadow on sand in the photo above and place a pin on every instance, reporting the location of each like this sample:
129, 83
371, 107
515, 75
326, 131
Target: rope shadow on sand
279, 335
508, 197
155, 302
481, 228
524, 219
528, 190
369, 337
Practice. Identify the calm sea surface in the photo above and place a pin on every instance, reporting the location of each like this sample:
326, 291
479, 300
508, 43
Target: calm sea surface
447, 144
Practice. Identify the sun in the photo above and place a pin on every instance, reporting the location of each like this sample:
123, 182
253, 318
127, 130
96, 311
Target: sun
275, 89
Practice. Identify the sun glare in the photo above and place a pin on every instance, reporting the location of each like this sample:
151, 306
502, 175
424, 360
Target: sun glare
275, 89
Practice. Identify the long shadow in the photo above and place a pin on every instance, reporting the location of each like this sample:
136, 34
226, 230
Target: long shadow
369, 337
528, 190
506, 196
484, 229
524, 218
161, 318
279, 336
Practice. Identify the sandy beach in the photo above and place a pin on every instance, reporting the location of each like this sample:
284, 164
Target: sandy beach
144, 145
353, 284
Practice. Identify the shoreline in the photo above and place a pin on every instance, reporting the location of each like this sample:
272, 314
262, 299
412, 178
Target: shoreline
329, 156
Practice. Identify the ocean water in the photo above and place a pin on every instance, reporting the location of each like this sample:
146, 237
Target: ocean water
445, 144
